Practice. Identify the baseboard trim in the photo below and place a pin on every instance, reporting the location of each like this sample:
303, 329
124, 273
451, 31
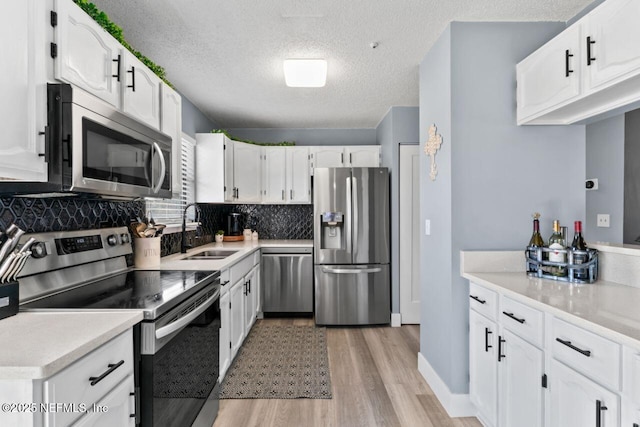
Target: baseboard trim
396, 320
456, 405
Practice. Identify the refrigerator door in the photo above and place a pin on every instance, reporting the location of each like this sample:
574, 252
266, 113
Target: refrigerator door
352, 295
332, 215
370, 213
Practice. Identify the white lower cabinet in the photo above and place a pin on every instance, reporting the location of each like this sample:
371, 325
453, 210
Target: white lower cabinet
237, 316
630, 413
116, 409
520, 373
483, 367
578, 402
225, 334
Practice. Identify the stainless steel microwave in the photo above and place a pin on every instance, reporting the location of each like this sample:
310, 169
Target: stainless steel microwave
93, 148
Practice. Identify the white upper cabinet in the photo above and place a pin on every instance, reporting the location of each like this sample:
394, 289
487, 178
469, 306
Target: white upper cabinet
286, 175
140, 90
171, 124
275, 173
345, 156
298, 181
214, 180
247, 172
604, 71
362, 156
328, 157
88, 57
550, 76
23, 85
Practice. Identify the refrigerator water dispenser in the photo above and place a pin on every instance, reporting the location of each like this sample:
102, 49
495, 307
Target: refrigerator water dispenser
332, 236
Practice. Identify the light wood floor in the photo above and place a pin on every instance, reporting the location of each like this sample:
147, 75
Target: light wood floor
374, 379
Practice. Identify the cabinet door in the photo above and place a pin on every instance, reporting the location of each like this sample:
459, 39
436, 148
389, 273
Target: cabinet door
483, 366
140, 90
229, 186
246, 172
256, 287
547, 77
117, 408
171, 124
328, 157
520, 383
298, 180
614, 32
275, 175
630, 413
249, 302
237, 316
23, 108
211, 168
87, 55
575, 400
363, 156
225, 335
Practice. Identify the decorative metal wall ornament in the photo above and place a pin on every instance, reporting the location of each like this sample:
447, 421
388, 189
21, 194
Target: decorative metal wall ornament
431, 147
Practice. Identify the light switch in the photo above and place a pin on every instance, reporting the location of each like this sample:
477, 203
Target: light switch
427, 227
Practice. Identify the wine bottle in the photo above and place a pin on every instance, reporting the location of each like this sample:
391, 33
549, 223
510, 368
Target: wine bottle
557, 244
535, 242
579, 258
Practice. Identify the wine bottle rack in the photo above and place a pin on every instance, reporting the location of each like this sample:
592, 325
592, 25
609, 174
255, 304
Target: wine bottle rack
537, 264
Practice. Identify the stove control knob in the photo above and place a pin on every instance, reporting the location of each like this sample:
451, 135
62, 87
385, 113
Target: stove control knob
112, 240
124, 237
38, 250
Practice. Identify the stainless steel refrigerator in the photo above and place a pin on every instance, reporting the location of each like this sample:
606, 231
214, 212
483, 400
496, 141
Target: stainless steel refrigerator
351, 246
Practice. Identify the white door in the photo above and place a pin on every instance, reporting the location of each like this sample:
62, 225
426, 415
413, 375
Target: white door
23, 107
237, 316
88, 56
483, 367
614, 34
275, 175
247, 172
575, 400
298, 179
630, 413
256, 287
328, 157
140, 91
249, 302
520, 380
117, 408
409, 175
367, 156
171, 124
549, 77
225, 335
229, 185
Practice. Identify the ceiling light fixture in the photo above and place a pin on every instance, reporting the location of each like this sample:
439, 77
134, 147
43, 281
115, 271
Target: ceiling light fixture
305, 72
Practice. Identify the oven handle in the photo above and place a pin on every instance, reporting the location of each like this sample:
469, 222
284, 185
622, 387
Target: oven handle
163, 166
184, 321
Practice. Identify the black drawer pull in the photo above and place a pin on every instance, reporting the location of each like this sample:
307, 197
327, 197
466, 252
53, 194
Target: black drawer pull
517, 319
487, 332
481, 301
112, 367
599, 408
500, 355
573, 347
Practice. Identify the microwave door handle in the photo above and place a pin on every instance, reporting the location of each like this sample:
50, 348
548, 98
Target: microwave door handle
163, 168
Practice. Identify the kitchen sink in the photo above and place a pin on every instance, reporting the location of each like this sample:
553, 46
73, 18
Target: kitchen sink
211, 254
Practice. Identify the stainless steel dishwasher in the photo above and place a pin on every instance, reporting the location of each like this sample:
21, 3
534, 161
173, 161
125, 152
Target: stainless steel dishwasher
287, 277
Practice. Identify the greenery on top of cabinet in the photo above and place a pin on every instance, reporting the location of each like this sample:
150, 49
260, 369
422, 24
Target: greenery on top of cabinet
248, 141
103, 20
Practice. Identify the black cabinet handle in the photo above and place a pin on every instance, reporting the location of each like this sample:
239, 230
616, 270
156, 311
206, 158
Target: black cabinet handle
487, 332
133, 78
590, 59
636, 425
599, 408
112, 367
481, 301
513, 317
244, 291
573, 347
226, 282
117, 74
500, 355
249, 291
567, 69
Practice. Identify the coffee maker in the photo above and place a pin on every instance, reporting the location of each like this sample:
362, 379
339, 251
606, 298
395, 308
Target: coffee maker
234, 224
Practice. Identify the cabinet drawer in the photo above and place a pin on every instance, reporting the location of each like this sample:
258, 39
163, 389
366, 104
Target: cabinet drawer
586, 352
483, 300
631, 374
241, 268
524, 321
72, 385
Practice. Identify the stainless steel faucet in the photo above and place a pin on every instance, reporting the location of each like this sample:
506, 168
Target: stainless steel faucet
183, 243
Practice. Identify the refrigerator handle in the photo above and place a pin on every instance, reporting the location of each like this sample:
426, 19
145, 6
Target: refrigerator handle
351, 270
356, 213
347, 219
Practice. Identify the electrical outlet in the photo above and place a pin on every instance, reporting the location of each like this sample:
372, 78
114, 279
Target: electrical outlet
603, 220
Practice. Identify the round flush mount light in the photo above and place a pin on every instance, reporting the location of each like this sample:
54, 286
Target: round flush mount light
305, 72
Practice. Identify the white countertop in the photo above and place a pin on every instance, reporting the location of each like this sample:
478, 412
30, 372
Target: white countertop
37, 345
609, 309
244, 248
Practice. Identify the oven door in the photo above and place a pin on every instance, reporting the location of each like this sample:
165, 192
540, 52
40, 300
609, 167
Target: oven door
110, 158
180, 364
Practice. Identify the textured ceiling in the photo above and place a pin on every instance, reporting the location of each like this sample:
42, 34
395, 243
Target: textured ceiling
226, 56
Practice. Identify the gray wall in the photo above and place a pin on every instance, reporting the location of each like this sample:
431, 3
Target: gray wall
399, 126
605, 161
193, 121
631, 177
492, 174
309, 136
